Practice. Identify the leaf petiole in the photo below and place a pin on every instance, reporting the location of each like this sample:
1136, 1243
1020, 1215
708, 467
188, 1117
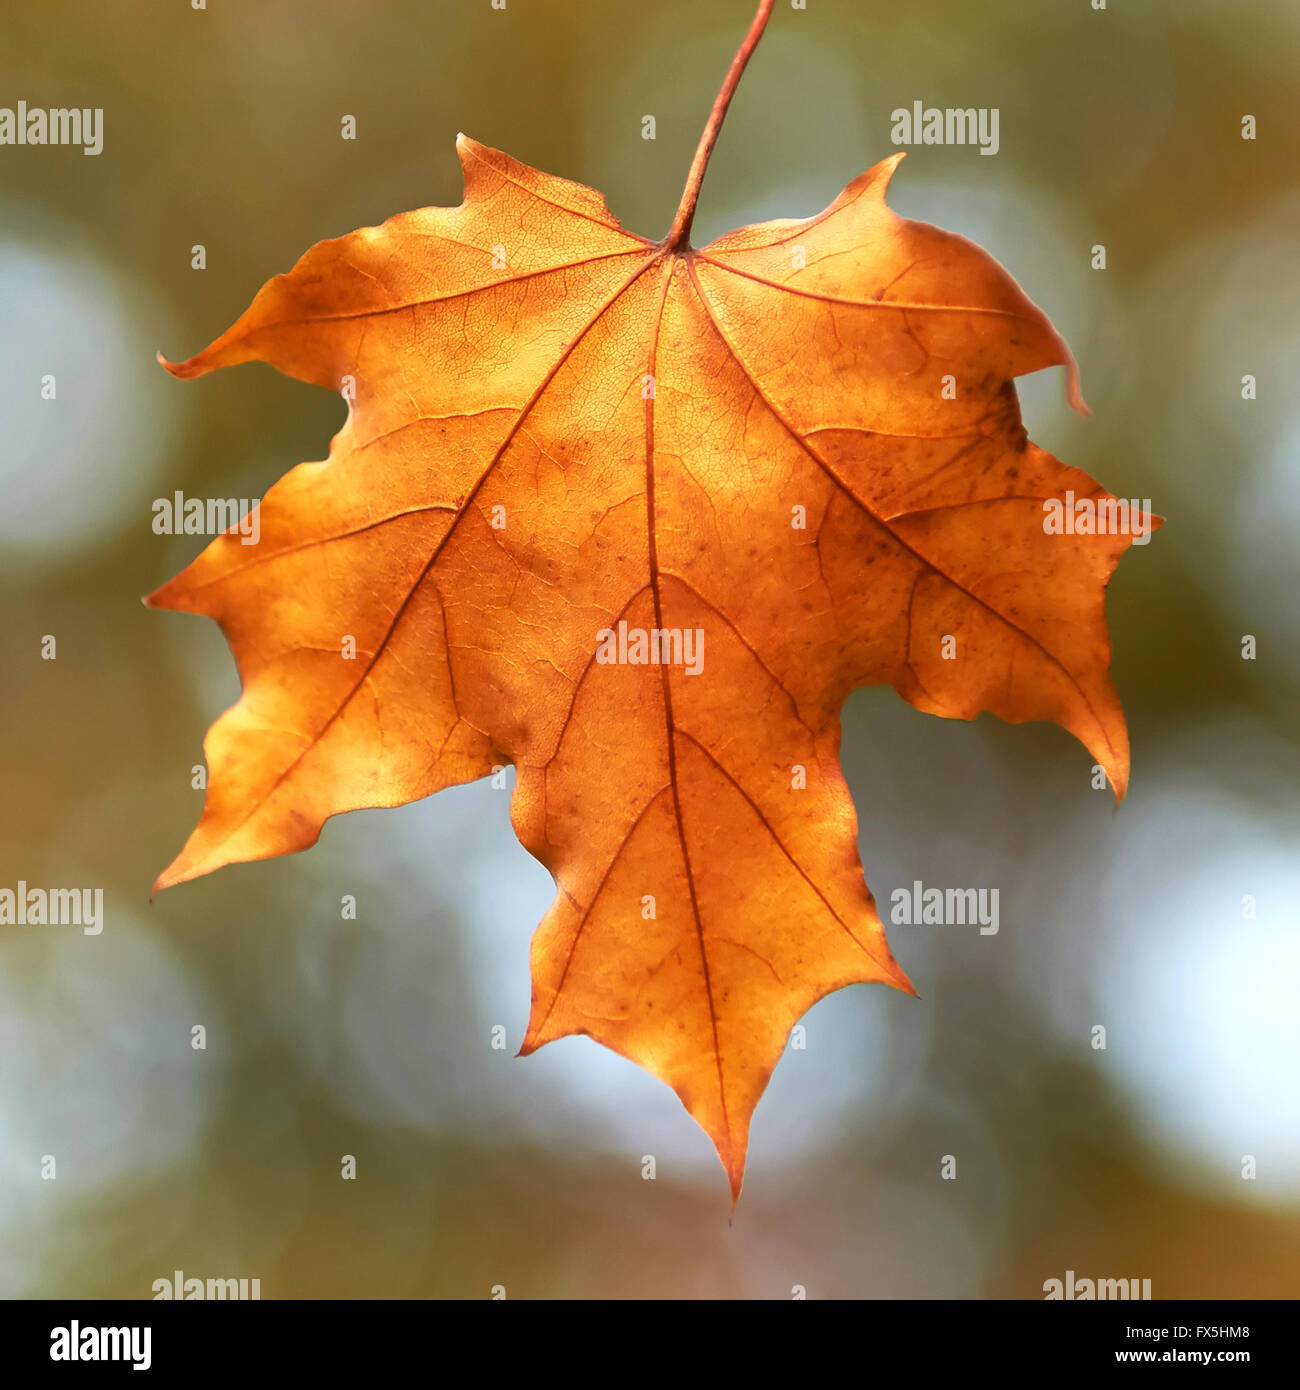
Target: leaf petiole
681, 228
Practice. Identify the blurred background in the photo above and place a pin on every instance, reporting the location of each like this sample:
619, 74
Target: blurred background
372, 1037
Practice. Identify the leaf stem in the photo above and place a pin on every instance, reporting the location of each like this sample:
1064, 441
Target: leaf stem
681, 227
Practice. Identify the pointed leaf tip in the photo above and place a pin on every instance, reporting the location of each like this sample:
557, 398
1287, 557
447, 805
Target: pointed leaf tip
1073, 391
182, 371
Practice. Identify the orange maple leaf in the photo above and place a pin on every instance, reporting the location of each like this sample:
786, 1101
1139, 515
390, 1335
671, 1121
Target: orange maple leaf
636, 518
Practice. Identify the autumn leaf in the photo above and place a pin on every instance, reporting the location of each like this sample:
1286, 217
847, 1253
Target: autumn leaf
636, 518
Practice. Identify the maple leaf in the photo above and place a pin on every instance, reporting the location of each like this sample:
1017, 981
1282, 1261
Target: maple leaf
636, 518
